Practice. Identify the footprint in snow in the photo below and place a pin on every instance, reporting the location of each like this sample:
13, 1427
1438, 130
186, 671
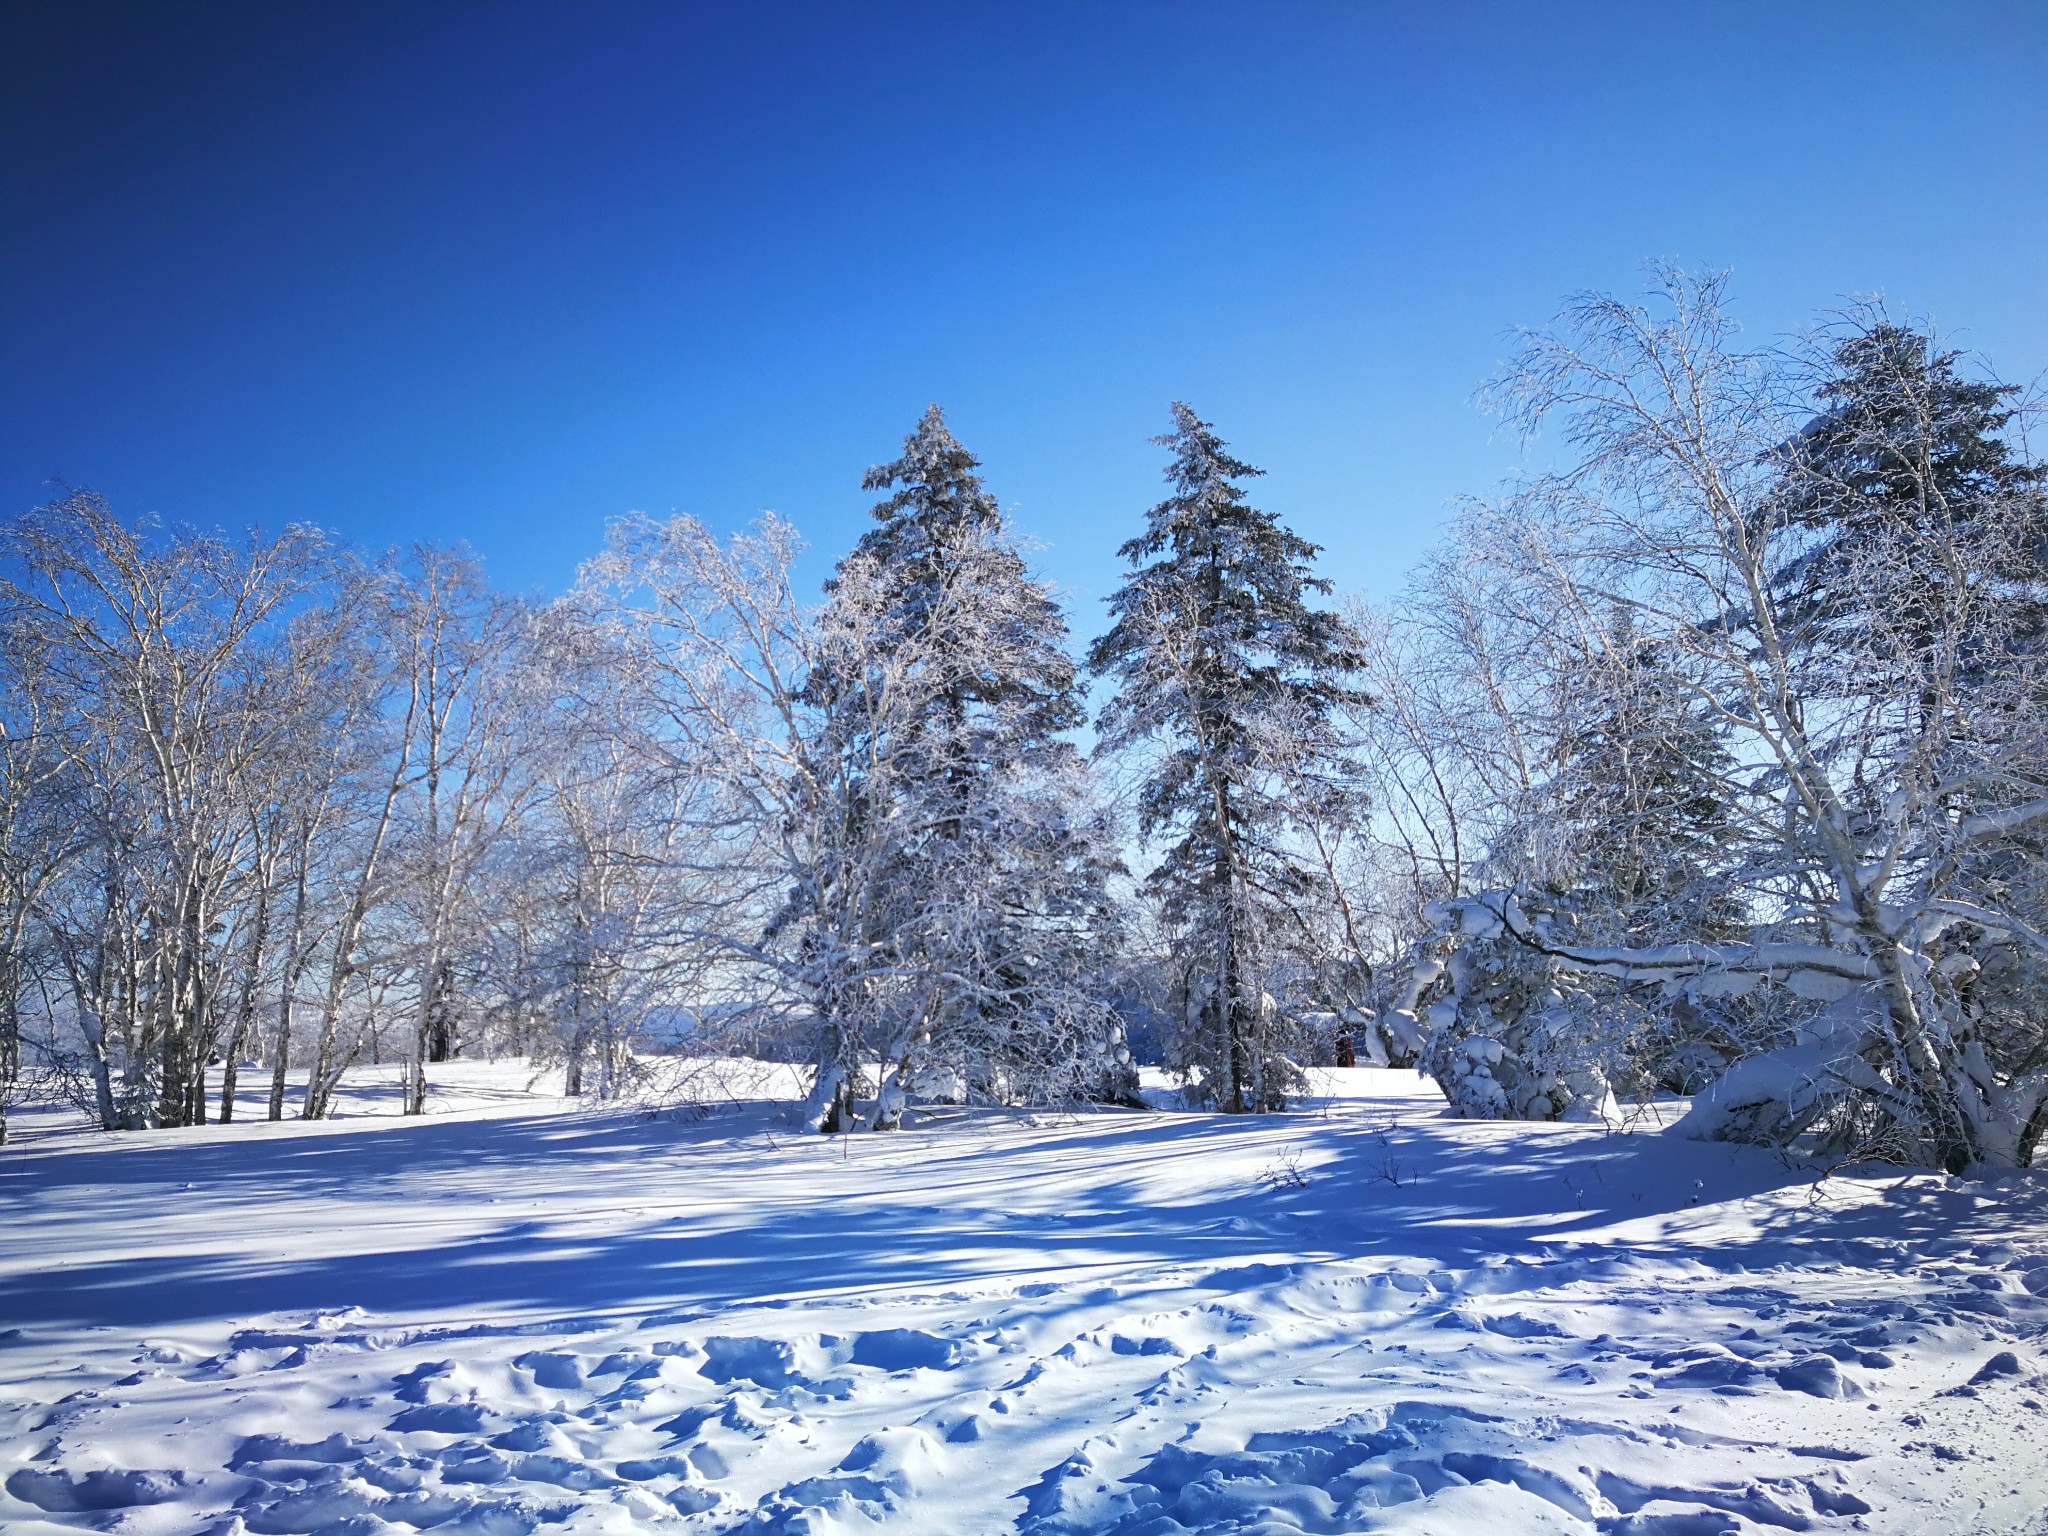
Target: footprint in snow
765, 1362
554, 1371
255, 1452
1245, 1277
1442, 1467
904, 1349
57, 1492
441, 1419
883, 1473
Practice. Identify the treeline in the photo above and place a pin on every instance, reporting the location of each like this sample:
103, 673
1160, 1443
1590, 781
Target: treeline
1711, 763
267, 801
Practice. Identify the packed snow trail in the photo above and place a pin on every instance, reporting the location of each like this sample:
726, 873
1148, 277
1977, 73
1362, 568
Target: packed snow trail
515, 1316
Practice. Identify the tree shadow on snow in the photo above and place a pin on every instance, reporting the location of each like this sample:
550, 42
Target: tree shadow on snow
398, 1223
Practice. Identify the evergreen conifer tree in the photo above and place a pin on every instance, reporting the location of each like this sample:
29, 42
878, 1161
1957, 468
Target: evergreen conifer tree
1906, 453
938, 528
1638, 832
992, 866
1215, 649
1640, 800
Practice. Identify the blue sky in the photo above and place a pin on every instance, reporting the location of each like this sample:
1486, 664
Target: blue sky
498, 272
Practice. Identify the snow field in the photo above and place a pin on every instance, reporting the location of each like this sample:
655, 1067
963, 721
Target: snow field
515, 1316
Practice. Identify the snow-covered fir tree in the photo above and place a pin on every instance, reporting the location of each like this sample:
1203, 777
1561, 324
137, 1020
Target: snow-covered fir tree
948, 689
1214, 648
1009, 689
1626, 840
1907, 473
1636, 811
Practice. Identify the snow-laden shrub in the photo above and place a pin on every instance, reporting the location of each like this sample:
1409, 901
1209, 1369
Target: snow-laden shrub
1777, 1096
1827, 1080
1507, 1032
1783, 1042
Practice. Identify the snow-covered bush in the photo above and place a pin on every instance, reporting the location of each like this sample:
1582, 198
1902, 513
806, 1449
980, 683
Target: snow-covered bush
1507, 1032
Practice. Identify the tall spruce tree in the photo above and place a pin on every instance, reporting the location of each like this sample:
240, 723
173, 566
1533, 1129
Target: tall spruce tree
993, 866
1636, 838
1216, 653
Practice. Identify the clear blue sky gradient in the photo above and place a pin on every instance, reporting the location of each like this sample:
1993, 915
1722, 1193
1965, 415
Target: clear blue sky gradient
499, 272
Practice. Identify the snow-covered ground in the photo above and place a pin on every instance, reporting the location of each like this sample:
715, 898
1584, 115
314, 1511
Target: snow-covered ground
515, 1314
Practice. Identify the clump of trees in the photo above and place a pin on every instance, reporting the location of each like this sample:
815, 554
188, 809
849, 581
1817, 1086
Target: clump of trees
1738, 719
1714, 761
904, 856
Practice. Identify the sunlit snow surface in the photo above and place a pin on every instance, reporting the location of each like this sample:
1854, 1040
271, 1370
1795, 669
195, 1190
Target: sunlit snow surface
517, 1315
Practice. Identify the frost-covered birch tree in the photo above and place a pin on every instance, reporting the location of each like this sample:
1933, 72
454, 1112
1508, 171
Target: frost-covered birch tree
38, 840
623, 848
165, 679
469, 696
